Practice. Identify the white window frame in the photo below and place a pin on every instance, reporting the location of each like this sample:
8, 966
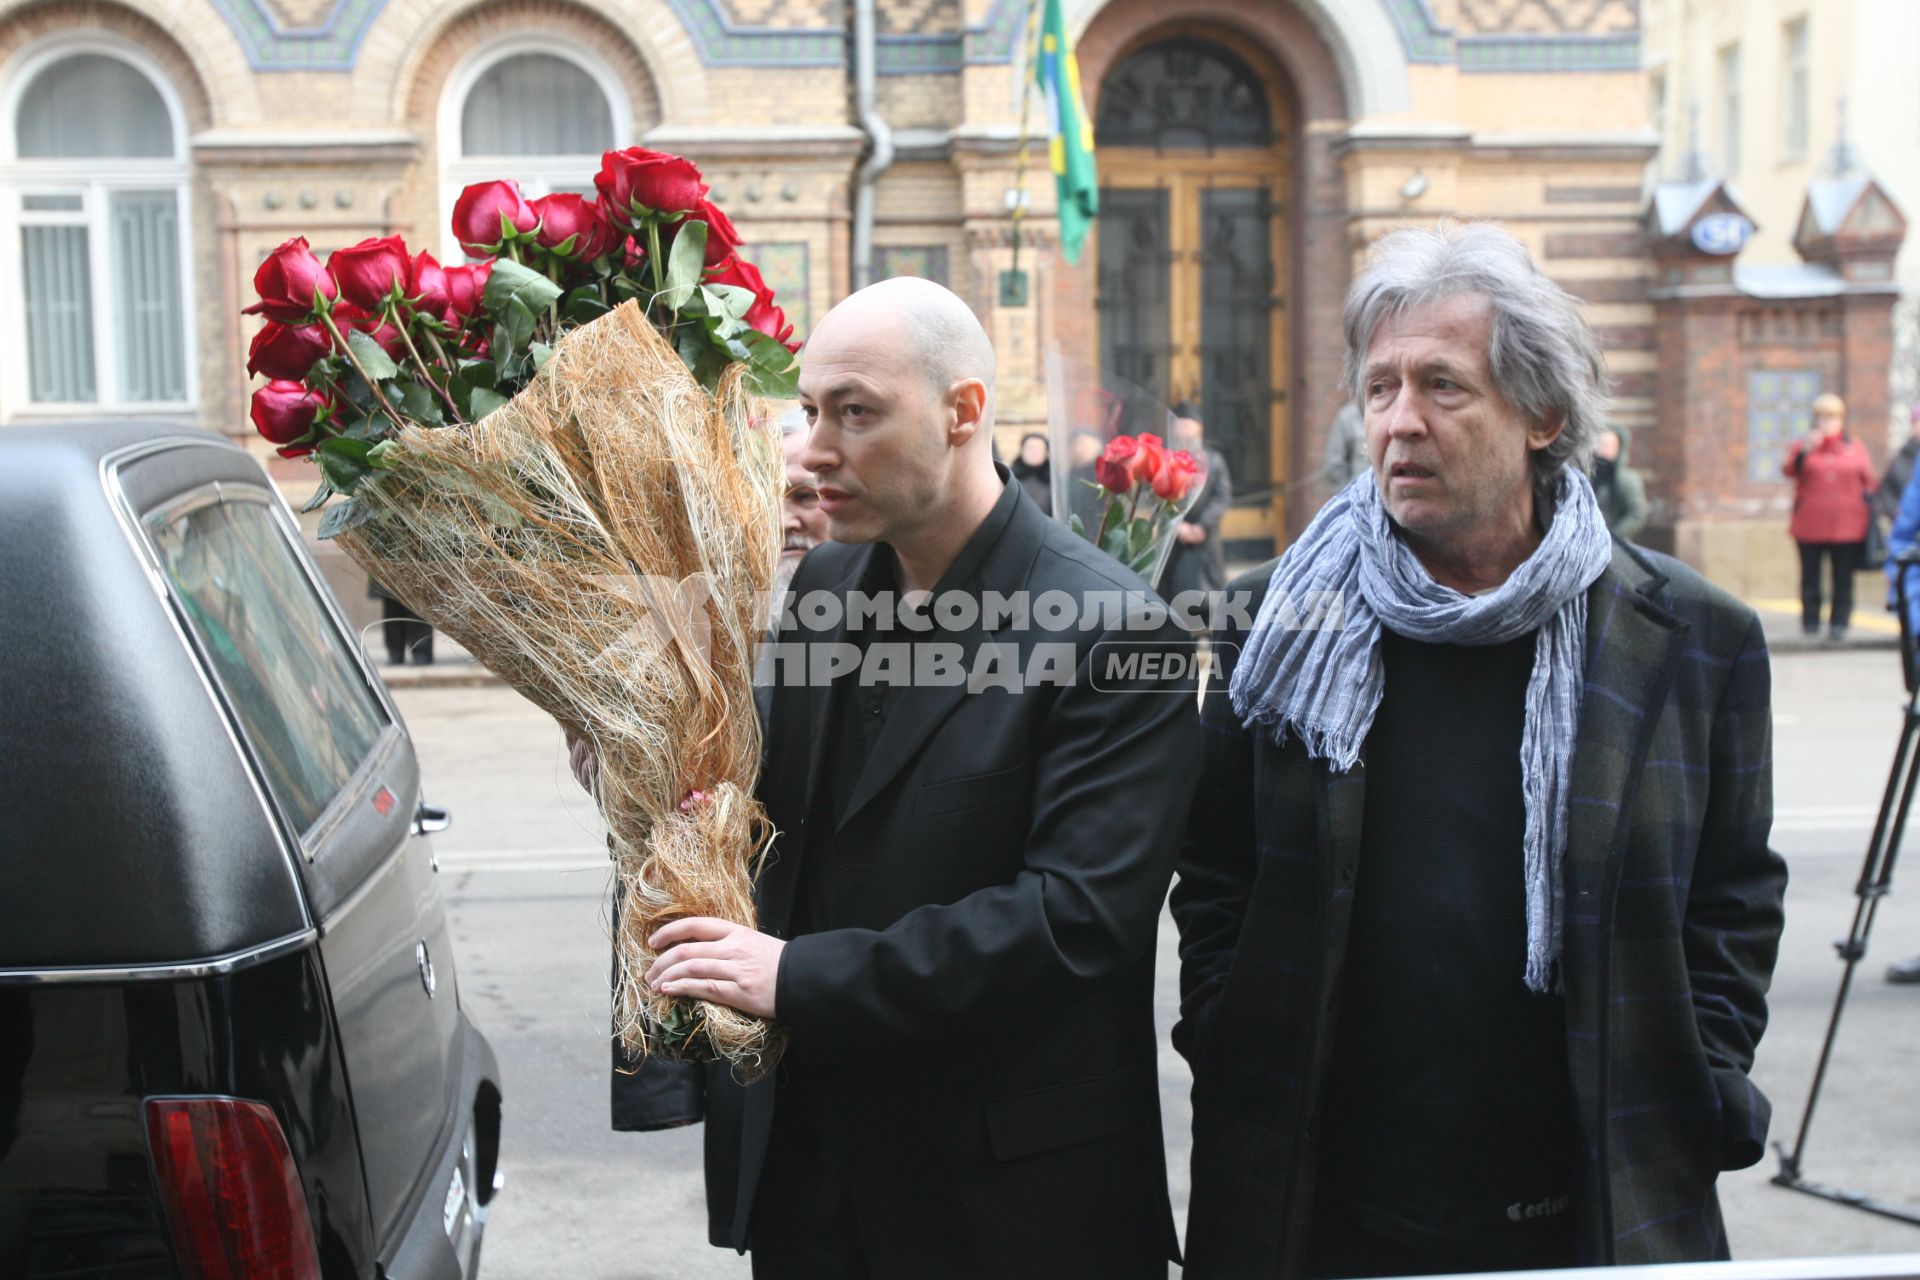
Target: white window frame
537, 175
85, 178
1796, 83
1732, 106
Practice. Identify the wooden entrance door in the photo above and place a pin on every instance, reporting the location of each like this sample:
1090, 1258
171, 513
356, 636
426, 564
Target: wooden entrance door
1191, 253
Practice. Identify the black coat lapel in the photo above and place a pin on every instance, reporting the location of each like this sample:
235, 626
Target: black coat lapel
800, 720
919, 710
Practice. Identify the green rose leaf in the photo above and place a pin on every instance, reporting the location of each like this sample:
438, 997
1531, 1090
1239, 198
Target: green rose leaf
343, 516
319, 498
381, 456
541, 353
344, 473
512, 282
685, 262
732, 299
482, 402
584, 308
378, 364
420, 403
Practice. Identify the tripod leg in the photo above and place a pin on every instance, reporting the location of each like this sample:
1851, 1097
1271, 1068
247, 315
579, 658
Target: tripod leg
1876, 876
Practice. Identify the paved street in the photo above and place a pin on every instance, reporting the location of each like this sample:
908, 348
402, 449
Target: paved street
526, 880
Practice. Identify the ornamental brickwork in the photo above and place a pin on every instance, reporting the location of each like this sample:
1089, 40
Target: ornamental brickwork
344, 119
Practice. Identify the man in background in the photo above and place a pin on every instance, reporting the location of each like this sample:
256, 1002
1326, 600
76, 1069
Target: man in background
1199, 559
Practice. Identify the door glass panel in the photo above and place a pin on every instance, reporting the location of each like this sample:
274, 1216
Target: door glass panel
287, 672
1236, 299
1134, 303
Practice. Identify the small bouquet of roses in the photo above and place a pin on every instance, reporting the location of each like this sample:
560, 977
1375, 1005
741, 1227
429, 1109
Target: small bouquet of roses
1115, 482
551, 453
1146, 489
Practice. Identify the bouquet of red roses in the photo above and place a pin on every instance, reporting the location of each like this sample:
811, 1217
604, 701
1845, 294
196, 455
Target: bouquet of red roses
1146, 489
551, 453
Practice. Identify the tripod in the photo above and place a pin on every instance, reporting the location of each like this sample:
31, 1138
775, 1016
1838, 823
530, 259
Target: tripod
1876, 882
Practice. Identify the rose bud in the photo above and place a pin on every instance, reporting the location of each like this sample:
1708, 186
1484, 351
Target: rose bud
371, 271
637, 182
762, 315
565, 216
1177, 476
284, 410
485, 212
287, 351
1114, 469
722, 239
287, 282
427, 286
635, 254
466, 289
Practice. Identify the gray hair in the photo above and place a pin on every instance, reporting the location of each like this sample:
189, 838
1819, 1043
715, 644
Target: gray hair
1543, 357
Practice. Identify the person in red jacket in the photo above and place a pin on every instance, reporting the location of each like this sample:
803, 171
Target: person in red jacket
1832, 483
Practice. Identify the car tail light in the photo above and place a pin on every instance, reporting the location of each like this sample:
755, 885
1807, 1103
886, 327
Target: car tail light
232, 1193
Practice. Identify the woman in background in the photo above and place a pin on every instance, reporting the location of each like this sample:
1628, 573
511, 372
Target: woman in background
1832, 486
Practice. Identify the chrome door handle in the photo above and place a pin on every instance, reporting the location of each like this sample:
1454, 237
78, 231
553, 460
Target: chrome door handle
428, 819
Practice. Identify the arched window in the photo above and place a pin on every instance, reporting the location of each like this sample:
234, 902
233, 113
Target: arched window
538, 112
94, 233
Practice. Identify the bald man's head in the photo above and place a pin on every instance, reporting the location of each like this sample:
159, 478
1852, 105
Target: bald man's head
923, 324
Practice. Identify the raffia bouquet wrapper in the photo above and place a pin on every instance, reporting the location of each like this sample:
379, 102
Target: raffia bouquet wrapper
603, 542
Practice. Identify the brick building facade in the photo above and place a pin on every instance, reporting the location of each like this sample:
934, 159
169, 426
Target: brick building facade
1248, 152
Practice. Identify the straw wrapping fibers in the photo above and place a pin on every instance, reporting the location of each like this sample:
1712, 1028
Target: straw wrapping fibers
603, 543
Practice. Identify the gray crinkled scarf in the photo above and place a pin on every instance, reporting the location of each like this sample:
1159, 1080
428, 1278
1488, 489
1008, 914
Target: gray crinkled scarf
1322, 682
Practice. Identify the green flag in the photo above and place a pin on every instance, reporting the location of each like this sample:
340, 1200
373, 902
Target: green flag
1071, 145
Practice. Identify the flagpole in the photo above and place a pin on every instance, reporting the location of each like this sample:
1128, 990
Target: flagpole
1026, 136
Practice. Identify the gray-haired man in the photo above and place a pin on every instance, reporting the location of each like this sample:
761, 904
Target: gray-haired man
1477, 909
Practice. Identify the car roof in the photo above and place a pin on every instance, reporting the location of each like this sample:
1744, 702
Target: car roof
132, 831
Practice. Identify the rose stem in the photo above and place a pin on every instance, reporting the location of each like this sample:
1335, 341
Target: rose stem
372, 384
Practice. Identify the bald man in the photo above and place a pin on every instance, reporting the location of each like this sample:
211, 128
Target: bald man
958, 917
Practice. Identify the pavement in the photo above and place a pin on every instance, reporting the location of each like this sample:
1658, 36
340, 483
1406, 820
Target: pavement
526, 876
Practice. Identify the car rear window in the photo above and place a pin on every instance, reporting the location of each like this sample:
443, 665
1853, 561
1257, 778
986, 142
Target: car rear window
284, 667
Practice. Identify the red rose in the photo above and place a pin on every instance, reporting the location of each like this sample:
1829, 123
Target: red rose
484, 212
1115, 468
348, 316
635, 254
762, 315
1177, 476
565, 216
722, 239
427, 286
370, 271
284, 410
287, 282
286, 351
637, 182
466, 289
1151, 458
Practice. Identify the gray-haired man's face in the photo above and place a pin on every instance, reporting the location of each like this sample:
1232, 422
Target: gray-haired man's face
1449, 452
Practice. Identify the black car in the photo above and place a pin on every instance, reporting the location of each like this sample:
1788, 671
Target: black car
231, 1042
